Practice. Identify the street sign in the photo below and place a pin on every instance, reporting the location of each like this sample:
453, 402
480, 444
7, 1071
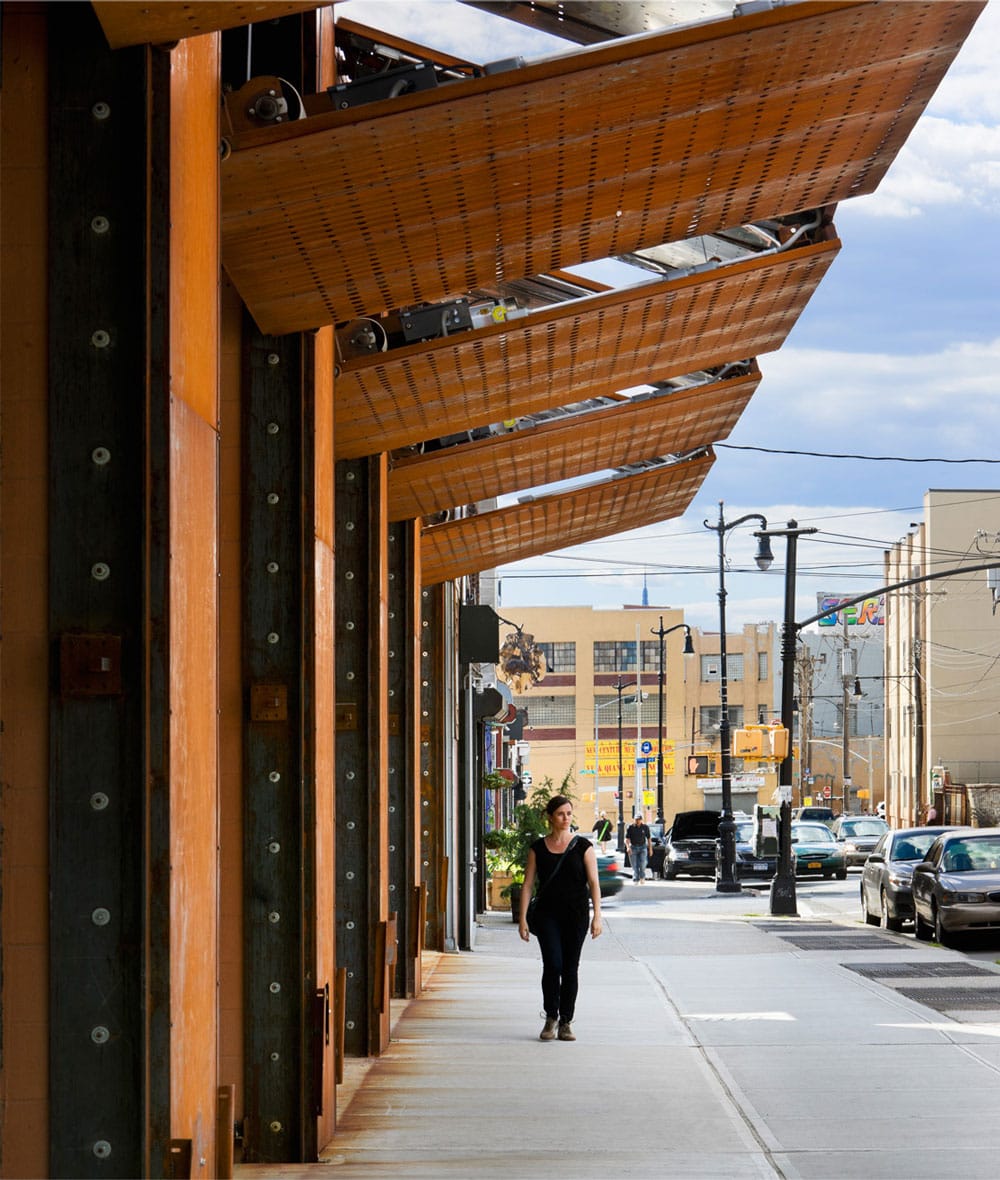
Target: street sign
525, 779
646, 747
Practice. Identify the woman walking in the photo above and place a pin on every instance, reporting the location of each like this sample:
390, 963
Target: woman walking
565, 867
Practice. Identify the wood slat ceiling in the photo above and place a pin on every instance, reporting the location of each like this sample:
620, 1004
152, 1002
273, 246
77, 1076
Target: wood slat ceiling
567, 448
495, 538
574, 351
605, 150
158, 21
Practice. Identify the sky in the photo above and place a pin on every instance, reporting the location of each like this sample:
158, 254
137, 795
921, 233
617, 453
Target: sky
896, 357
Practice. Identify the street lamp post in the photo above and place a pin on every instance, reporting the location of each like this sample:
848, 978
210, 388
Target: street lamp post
688, 651
726, 881
783, 884
620, 688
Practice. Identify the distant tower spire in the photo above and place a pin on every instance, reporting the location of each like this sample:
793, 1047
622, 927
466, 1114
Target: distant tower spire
645, 590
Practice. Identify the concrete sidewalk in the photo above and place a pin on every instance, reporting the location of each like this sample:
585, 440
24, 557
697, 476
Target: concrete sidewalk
709, 1045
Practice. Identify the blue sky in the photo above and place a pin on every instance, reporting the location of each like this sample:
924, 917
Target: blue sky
896, 355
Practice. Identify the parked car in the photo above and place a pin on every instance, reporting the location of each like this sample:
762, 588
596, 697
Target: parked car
750, 866
886, 896
858, 835
609, 874
823, 815
816, 852
690, 844
957, 888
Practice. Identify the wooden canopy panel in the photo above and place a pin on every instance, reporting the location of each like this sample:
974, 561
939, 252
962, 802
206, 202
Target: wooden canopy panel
552, 522
623, 145
567, 448
156, 21
576, 350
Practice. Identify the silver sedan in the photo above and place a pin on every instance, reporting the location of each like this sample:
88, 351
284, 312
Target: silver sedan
957, 887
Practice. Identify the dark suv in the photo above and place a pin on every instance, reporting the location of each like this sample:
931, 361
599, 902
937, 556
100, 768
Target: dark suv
690, 844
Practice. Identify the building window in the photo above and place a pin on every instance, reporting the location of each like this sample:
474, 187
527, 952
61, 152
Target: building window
548, 710
711, 666
559, 657
612, 655
762, 665
710, 719
607, 713
651, 655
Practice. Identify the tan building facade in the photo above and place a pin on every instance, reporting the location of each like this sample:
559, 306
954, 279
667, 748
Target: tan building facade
602, 661
942, 644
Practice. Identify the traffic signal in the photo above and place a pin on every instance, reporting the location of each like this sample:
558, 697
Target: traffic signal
697, 764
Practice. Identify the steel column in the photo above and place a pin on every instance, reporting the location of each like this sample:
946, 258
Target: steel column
98, 591
275, 668
405, 895
365, 944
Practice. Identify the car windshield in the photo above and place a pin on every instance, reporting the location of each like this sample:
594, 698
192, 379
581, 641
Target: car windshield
863, 827
972, 854
744, 832
912, 847
812, 834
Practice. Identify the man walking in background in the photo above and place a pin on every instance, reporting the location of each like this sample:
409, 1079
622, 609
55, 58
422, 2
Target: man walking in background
640, 847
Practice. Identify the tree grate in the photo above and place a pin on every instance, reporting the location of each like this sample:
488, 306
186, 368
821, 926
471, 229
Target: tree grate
944, 998
839, 942
917, 970
796, 927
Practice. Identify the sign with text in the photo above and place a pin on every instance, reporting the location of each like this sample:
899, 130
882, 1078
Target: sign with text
607, 757
870, 613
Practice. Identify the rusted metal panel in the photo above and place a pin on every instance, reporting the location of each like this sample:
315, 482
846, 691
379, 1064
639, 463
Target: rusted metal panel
127, 23
97, 524
563, 448
636, 335
584, 156
551, 522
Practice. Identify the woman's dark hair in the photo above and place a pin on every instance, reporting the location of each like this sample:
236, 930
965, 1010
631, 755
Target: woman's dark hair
555, 803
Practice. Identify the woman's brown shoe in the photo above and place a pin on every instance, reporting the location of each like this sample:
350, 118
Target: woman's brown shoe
548, 1033
566, 1032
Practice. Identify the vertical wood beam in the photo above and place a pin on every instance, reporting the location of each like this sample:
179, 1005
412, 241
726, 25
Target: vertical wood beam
362, 754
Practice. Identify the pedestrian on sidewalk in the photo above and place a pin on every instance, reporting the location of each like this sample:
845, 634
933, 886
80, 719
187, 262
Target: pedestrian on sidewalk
602, 831
640, 847
565, 867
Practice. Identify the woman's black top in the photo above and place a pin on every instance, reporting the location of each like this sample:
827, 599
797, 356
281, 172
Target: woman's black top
568, 892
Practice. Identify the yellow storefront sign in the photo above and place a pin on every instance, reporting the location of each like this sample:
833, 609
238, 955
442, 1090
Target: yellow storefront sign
607, 757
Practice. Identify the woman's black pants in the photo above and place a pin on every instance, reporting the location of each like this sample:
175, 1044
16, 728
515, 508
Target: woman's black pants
561, 939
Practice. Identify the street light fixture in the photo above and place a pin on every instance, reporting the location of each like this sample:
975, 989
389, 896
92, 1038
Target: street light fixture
688, 651
726, 882
783, 884
620, 688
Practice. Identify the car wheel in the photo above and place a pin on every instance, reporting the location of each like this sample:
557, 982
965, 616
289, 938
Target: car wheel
842, 874
869, 917
670, 874
888, 923
921, 929
940, 934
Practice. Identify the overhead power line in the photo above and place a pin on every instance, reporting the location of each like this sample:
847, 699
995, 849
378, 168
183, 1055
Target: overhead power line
833, 455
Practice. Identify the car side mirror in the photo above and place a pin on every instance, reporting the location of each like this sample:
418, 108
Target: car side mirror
928, 866
876, 858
